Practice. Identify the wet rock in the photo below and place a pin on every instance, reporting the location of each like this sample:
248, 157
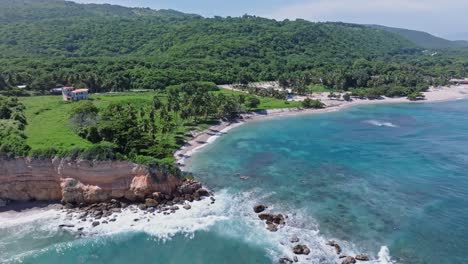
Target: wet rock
187, 206
189, 187
66, 226
105, 222
301, 250
136, 220
112, 220
83, 215
158, 196
349, 260
272, 218
95, 223
106, 213
337, 249
272, 227
3, 203
203, 192
142, 206
294, 239
285, 260
116, 210
335, 245
151, 202
362, 257
81, 229
295, 259
259, 208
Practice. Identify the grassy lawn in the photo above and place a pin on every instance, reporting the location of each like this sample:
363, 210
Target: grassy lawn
48, 125
317, 88
265, 102
48, 117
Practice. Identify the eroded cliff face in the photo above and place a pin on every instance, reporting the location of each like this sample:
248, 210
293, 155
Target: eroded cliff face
24, 179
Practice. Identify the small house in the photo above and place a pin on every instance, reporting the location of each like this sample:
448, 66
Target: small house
459, 81
56, 91
70, 94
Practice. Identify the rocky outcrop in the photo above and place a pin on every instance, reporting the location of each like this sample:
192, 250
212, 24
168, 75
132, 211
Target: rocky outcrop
81, 181
301, 250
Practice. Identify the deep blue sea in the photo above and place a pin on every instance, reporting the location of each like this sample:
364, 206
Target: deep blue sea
390, 181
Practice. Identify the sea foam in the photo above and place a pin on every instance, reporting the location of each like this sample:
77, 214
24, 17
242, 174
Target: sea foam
230, 216
380, 123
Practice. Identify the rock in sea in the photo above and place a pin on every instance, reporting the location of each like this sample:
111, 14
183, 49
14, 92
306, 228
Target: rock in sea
301, 250
285, 260
3, 203
259, 208
294, 239
362, 257
349, 260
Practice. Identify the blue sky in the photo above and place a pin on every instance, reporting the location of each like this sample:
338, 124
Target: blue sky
445, 18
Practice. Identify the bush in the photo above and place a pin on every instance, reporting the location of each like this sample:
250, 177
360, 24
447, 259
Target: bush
101, 151
12, 139
416, 96
252, 102
43, 153
347, 97
309, 103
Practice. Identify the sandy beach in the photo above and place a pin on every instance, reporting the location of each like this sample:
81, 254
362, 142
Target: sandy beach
201, 139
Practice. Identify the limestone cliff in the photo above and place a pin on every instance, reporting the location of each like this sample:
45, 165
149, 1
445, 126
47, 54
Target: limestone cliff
80, 181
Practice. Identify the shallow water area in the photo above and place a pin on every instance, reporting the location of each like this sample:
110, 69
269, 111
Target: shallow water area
373, 176
389, 181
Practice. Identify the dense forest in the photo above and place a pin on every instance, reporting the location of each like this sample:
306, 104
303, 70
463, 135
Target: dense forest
111, 48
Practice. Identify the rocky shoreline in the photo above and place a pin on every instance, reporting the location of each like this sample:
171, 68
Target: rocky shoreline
275, 221
157, 203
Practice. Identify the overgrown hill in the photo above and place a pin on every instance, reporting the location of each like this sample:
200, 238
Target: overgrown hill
114, 48
13, 11
424, 39
62, 28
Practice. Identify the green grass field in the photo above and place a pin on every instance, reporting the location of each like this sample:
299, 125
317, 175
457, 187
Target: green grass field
48, 116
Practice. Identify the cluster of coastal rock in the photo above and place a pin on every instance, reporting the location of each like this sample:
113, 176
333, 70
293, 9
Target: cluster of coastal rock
105, 212
274, 221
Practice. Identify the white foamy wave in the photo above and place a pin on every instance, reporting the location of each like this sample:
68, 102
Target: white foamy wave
380, 123
230, 216
384, 256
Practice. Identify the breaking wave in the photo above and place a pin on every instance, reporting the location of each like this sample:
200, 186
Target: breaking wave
380, 123
231, 216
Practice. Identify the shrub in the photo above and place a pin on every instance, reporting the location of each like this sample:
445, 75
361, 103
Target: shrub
309, 103
416, 96
347, 97
43, 153
101, 151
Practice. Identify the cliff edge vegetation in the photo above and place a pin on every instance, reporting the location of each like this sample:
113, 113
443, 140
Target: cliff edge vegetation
144, 127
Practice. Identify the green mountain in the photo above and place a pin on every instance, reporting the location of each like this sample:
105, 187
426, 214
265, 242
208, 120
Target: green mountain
108, 47
424, 39
62, 28
13, 11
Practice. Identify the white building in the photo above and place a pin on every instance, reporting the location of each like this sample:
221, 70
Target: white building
70, 94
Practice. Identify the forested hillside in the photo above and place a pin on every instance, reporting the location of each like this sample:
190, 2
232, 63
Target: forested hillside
424, 39
111, 48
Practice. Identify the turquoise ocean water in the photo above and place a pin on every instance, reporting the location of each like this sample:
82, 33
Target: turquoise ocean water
390, 181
